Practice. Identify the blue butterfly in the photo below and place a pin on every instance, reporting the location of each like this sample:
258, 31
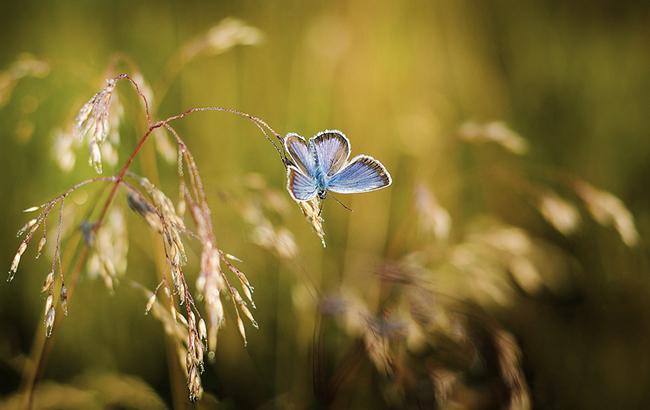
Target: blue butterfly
322, 165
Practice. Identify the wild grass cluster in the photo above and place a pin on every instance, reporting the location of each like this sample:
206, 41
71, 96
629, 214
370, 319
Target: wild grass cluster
104, 236
105, 240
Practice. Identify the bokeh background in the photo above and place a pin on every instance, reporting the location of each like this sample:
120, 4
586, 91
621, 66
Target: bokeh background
401, 79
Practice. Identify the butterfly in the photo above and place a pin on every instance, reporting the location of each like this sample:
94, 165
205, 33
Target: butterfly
321, 165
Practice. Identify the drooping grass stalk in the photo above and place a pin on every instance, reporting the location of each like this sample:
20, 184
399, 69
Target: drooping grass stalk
175, 371
43, 344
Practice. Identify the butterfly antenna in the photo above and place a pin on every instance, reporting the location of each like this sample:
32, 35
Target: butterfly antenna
279, 149
342, 204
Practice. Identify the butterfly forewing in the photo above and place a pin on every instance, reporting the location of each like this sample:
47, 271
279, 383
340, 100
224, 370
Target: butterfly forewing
362, 174
332, 151
297, 148
300, 186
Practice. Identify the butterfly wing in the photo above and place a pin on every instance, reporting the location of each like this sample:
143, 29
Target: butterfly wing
362, 174
297, 148
300, 186
332, 151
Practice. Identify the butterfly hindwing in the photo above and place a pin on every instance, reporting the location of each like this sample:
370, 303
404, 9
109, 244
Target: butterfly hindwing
362, 174
297, 148
332, 151
300, 186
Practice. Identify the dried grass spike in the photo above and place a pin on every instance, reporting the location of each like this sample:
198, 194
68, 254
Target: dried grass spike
16, 261
560, 213
312, 211
608, 210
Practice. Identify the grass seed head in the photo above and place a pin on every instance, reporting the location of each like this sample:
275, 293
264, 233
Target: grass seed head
608, 210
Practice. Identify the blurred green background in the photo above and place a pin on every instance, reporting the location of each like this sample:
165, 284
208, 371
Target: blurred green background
399, 78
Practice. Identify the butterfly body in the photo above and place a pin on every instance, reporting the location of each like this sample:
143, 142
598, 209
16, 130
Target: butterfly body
321, 165
320, 178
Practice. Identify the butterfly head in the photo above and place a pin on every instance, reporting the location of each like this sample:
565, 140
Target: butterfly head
322, 193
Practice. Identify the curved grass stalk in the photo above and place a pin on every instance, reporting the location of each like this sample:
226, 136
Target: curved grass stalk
43, 344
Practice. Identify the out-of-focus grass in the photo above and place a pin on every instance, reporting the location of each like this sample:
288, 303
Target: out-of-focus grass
399, 79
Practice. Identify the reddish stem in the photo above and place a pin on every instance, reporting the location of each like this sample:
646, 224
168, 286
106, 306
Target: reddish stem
120, 176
